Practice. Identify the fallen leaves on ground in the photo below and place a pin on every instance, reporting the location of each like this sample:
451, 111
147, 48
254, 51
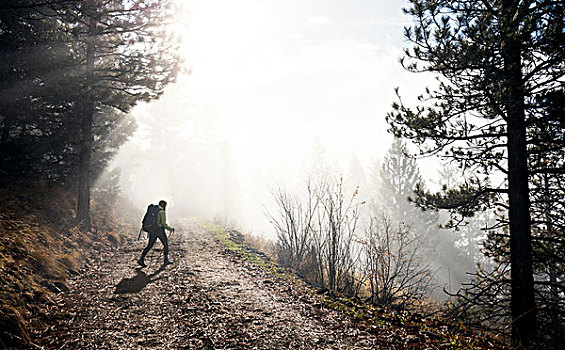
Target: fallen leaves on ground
210, 298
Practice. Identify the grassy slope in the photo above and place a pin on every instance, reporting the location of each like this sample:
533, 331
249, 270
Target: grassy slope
39, 249
404, 330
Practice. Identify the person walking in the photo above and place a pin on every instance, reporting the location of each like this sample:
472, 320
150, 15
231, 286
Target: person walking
158, 232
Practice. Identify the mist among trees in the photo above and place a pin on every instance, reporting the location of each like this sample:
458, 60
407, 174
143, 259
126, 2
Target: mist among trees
485, 237
71, 71
497, 114
380, 243
500, 67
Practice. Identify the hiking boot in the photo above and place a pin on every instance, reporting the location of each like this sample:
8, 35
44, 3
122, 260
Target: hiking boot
141, 263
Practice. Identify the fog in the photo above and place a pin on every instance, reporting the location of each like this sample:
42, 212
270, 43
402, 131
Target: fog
272, 95
266, 84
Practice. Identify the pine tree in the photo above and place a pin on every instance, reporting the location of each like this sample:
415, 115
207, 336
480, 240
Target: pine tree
495, 59
126, 58
70, 72
400, 176
356, 179
35, 111
547, 189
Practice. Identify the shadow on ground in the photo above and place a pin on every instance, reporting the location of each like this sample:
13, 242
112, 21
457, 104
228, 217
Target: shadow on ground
136, 283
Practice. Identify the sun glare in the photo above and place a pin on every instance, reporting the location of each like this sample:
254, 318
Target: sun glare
271, 83
222, 41
278, 75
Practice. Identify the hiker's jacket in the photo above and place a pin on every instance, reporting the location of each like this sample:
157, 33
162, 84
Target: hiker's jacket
162, 219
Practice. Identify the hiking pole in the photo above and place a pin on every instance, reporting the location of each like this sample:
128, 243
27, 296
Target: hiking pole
139, 236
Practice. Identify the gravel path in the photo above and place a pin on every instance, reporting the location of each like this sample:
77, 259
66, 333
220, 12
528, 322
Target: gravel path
208, 299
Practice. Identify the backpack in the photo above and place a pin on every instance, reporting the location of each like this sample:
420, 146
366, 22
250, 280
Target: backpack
149, 221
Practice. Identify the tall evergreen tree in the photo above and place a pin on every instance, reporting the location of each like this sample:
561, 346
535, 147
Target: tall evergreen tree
495, 58
35, 110
400, 176
547, 188
356, 178
71, 70
127, 56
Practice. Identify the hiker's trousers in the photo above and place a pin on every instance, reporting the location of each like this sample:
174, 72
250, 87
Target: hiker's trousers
153, 235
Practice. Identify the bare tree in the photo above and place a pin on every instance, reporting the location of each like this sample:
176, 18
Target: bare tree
395, 274
342, 216
294, 229
315, 235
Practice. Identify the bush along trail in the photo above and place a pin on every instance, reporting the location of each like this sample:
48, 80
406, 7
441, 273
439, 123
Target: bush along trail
219, 294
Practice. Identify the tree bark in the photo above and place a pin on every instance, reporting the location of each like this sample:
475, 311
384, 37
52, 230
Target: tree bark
83, 200
523, 306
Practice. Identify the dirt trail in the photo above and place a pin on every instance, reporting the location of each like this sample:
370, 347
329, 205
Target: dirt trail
208, 299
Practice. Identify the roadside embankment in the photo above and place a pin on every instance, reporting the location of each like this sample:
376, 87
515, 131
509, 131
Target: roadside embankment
40, 249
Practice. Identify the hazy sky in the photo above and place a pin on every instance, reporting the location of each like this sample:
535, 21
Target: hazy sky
278, 74
275, 76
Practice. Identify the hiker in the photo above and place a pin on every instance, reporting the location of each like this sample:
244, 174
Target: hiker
158, 231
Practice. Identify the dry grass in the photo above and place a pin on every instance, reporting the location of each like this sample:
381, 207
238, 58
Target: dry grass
114, 238
259, 243
13, 327
46, 264
39, 247
70, 261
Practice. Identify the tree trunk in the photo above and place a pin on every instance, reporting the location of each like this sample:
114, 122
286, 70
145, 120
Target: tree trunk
522, 282
557, 329
83, 201
523, 306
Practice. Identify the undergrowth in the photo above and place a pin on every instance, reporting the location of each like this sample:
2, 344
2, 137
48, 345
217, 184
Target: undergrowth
413, 330
40, 248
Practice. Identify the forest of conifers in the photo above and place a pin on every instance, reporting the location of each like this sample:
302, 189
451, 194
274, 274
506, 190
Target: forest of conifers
70, 71
497, 114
